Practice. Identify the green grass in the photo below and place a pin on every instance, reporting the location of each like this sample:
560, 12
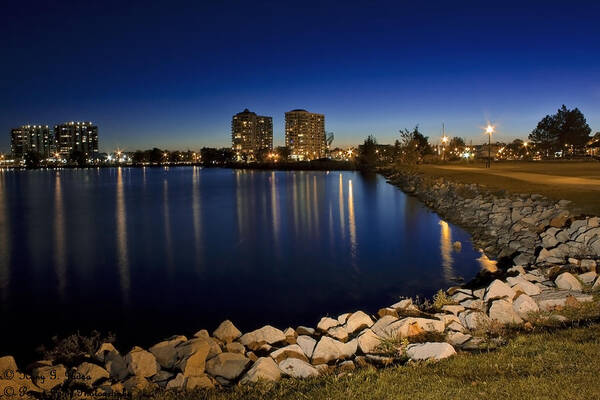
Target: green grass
558, 364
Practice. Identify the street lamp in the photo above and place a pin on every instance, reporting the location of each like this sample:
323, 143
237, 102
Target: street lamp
444, 141
489, 130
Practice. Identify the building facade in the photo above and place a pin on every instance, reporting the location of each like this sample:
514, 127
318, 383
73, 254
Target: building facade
76, 136
28, 138
251, 134
305, 135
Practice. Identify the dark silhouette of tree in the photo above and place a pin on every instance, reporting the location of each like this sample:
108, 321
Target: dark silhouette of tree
140, 157
414, 146
157, 156
78, 157
567, 130
283, 152
33, 159
367, 154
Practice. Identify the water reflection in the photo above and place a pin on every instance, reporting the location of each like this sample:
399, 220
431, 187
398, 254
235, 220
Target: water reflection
167, 224
197, 217
5, 237
486, 263
122, 252
274, 210
341, 201
446, 250
60, 264
352, 223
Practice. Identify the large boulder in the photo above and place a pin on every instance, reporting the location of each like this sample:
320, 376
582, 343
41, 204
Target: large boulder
307, 344
358, 321
379, 326
524, 305
520, 284
297, 368
116, 366
503, 312
141, 362
227, 332
266, 335
103, 350
566, 281
338, 332
291, 351
227, 365
166, 352
429, 351
473, 319
329, 349
264, 369
498, 290
368, 341
199, 382
194, 364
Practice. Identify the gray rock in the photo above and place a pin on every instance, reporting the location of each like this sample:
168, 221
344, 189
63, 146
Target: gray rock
297, 368
327, 323
587, 278
328, 349
141, 362
524, 305
502, 311
227, 365
227, 332
457, 338
307, 344
429, 351
368, 341
291, 351
548, 300
499, 290
265, 335
358, 321
166, 352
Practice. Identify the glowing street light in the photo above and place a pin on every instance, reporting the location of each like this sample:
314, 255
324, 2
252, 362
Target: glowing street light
489, 130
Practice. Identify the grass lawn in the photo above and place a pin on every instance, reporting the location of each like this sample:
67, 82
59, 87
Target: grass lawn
562, 364
570, 180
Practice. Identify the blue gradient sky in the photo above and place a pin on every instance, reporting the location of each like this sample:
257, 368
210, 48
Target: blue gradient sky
171, 74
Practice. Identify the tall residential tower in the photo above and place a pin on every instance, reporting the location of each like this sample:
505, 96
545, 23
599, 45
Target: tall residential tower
28, 138
305, 135
251, 134
76, 136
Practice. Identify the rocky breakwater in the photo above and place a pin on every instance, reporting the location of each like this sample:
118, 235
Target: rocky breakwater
459, 320
523, 229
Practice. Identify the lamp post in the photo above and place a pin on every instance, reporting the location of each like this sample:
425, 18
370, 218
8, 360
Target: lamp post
444, 141
489, 130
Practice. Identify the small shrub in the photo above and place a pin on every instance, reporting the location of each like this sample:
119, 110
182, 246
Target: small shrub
73, 349
441, 299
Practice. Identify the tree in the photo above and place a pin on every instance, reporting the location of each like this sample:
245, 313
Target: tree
78, 157
414, 146
367, 154
283, 152
33, 159
156, 156
567, 129
456, 147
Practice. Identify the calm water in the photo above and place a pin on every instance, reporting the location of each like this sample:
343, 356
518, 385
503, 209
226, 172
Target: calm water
147, 253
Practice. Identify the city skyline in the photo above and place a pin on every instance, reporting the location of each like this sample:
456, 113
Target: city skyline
371, 70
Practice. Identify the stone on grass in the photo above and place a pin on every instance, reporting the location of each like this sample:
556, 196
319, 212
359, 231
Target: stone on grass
346, 366
265, 335
473, 319
368, 341
297, 368
503, 312
358, 321
429, 351
566, 281
328, 349
457, 338
307, 344
264, 369
227, 332
227, 365
498, 290
291, 351
524, 305
177, 382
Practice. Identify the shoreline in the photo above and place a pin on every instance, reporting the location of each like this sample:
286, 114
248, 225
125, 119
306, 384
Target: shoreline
540, 267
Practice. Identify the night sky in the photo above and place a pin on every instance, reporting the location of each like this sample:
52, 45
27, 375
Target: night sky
172, 74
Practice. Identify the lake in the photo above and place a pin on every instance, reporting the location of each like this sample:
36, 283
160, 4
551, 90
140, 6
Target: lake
150, 252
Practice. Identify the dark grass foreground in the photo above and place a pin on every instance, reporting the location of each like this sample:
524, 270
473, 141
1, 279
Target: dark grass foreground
559, 364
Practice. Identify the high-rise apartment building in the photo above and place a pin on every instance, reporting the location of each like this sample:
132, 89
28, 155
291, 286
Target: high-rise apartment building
76, 136
31, 138
250, 134
305, 135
